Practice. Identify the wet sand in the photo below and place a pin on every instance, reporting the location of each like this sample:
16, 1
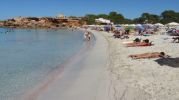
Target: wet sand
84, 77
105, 72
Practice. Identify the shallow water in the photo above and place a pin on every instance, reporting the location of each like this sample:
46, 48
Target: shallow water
28, 56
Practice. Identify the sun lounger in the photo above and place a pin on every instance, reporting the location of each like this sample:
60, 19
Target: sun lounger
140, 44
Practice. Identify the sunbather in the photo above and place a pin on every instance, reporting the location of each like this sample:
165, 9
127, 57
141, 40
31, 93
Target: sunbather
148, 55
137, 40
143, 43
117, 34
175, 38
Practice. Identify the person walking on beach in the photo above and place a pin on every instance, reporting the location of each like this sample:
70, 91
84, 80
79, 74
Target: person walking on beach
87, 35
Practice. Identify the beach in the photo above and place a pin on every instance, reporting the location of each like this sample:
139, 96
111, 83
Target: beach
105, 72
84, 76
89, 50
144, 79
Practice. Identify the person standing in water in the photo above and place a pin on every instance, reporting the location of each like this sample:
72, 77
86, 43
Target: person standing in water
89, 36
85, 35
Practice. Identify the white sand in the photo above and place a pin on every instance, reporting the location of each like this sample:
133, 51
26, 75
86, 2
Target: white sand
143, 79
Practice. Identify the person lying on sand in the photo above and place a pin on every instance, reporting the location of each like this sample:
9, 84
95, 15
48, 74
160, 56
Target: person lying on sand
175, 38
137, 40
148, 55
137, 44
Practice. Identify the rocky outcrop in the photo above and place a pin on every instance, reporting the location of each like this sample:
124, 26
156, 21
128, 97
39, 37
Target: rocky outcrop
44, 22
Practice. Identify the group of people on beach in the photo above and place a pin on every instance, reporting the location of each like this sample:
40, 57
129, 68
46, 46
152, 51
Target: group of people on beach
121, 34
138, 43
124, 34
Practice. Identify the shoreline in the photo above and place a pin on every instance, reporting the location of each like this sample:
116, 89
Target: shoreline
33, 93
28, 52
43, 86
21, 28
103, 71
83, 60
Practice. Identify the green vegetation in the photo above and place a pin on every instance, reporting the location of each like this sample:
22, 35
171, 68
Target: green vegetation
165, 17
147, 18
90, 18
170, 15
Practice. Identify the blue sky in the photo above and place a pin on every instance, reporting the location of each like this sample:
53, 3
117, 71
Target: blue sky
38, 8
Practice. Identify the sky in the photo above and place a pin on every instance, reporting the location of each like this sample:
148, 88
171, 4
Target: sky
39, 8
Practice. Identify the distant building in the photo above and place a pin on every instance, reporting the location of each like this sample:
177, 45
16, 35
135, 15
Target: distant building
103, 21
61, 16
18, 19
77, 21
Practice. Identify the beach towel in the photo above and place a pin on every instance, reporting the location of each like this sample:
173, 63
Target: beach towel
139, 44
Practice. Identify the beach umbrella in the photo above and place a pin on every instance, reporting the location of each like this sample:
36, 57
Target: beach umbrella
139, 27
102, 20
132, 25
158, 24
147, 26
125, 25
177, 27
118, 27
173, 24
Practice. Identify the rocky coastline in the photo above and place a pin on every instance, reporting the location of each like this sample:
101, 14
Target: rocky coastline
43, 22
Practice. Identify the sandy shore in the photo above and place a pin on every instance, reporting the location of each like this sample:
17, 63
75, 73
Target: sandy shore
144, 79
105, 72
84, 77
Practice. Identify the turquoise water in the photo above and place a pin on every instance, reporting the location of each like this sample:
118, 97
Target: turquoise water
28, 56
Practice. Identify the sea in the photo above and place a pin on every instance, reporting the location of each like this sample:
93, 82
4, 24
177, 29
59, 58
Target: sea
27, 56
